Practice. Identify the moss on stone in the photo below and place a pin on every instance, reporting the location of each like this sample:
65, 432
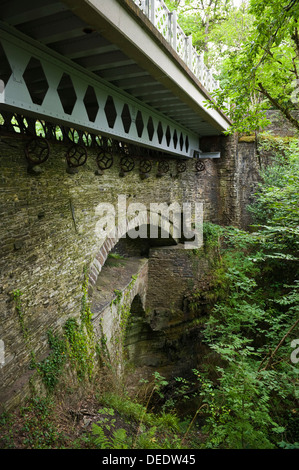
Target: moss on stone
247, 138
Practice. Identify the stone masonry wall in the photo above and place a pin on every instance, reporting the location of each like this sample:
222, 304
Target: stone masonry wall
47, 236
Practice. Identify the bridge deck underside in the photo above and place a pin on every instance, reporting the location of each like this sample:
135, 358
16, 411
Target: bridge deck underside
121, 97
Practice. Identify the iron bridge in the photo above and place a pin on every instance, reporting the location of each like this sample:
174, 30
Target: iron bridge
105, 68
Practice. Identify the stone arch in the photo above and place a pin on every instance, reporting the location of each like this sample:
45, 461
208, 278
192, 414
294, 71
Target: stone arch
121, 287
170, 226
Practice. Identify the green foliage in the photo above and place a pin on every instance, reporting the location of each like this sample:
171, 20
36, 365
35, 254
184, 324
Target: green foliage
211, 235
126, 407
118, 439
246, 397
39, 431
238, 409
203, 19
276, 208
262, 73
244, 326
81, 345
40, 129
6, 438
115, 256
86, 314
76, 347
249, 392
80, 342
51, 368
115, 260
118, 295
217, 27
159, 383
144, 430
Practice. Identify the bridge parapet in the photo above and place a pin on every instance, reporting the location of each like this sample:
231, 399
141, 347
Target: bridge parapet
166, 22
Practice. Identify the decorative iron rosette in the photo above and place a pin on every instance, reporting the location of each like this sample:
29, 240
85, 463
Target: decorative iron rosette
163, 168
37, 151
104, 159
76, 156
127, 164
145, 166
199, 165
181, 166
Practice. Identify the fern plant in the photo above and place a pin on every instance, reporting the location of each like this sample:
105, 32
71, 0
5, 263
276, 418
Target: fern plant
118, 439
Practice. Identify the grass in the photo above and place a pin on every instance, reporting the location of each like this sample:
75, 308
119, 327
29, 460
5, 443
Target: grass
91, 416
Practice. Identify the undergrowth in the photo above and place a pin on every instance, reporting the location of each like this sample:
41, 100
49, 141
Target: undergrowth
243, 394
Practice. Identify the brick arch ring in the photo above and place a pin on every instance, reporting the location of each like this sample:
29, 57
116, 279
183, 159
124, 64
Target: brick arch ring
109, 242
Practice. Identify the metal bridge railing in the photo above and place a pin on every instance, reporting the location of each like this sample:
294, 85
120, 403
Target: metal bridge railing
166, 22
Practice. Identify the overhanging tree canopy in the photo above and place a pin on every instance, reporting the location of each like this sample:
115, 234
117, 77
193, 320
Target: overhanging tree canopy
263, 73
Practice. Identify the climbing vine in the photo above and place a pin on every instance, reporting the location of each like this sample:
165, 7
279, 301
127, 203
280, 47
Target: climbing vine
80, 342
76, 346
51, 368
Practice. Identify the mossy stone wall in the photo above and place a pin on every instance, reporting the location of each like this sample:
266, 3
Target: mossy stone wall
47, 234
